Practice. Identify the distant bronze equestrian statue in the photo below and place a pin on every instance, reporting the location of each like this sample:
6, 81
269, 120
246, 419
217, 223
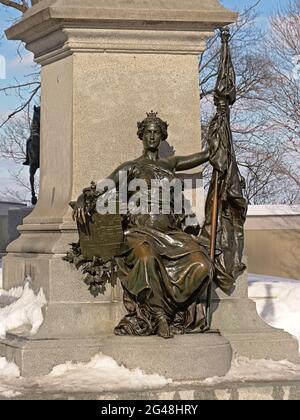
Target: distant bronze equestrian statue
33, 150
166, 272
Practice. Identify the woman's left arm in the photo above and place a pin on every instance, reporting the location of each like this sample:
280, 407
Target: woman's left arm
183, 163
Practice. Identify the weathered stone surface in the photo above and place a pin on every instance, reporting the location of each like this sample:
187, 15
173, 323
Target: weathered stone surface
15, 219
247, 391
236, 318
194, 15
38, 357
71, 311
194, 356
151, 354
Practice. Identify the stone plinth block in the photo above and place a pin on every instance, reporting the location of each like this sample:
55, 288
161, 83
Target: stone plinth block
71, 311
185, 357
38, 357
236, 318
191, 357
15, 219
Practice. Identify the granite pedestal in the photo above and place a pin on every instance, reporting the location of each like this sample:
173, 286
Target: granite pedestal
15, 219
105, 63
235, 316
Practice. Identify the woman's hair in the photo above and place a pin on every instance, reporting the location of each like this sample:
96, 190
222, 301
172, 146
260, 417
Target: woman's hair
152, 118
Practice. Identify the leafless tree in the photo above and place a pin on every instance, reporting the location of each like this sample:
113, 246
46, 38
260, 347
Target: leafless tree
27, 90
283, 109
265, 118
21, 6
264, 127
13, 148
15, 128
13, 138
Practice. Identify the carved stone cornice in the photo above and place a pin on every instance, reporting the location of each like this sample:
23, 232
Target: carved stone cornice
56, 28
65, 41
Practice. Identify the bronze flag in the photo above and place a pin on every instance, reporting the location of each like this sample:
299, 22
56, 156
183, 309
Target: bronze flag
232, 206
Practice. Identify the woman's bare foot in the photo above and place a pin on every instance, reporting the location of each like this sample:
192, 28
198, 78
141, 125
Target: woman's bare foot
163, 329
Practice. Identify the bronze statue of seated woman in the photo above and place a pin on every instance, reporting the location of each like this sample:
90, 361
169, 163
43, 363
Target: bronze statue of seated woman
162, 269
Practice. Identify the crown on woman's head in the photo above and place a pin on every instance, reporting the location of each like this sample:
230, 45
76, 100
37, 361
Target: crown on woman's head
152, 117
152, 114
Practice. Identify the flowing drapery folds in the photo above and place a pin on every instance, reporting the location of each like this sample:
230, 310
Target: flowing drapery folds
232, 206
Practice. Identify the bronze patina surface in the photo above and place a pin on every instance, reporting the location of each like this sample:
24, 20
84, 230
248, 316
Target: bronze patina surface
163, 269
33, 150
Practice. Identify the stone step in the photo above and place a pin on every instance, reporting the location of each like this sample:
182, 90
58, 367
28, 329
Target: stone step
193, 391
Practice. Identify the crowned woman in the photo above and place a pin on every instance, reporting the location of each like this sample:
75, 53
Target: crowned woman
163, 270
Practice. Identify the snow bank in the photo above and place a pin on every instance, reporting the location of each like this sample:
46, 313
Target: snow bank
8, 369
8, 393
277, 302
16, 292
244, 369
102, 373
26, 310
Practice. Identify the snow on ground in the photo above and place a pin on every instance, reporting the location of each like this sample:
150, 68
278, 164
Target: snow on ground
277, 302
8, 369
25, 310
102, 373
244, 369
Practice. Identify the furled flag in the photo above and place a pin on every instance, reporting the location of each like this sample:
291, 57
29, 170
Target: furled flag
232, 206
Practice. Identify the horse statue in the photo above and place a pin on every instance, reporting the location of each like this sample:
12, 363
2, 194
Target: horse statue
33, 150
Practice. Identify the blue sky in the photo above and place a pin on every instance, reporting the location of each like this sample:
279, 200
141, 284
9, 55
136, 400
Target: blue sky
15, 66
266, 7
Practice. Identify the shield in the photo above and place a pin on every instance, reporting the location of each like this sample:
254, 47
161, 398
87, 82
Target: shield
101, 236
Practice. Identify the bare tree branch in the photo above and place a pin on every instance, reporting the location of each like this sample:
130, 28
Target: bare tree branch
22, 106
21, 7
266, 117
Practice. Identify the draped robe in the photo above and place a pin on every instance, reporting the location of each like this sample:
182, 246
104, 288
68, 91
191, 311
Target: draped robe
163, 270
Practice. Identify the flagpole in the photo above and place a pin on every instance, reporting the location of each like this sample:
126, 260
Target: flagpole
214, 229
215, 197
228, 193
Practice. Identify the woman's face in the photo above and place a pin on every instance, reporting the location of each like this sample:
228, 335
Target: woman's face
152, 137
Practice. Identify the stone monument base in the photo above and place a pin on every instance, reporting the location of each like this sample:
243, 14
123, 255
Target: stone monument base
236, 318
75, 325
15, 219
189, 357
38, 357
192, 391
185, 357
71, 311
